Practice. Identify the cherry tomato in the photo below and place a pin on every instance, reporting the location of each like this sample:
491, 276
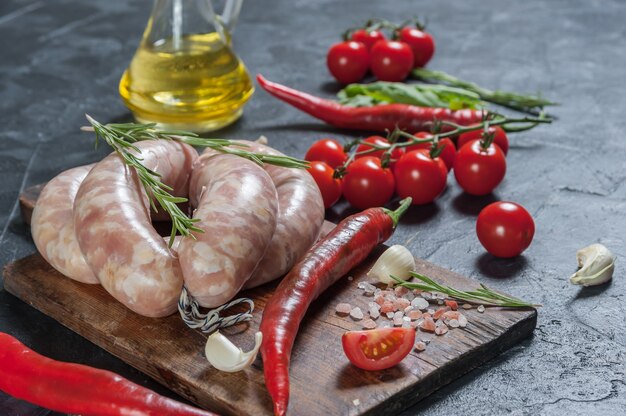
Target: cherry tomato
368, 38
378, 349
396, 154
478, 171
367, 184
448, 154
505, 229
348, 61
499, 137
420, 177
327, 150
391, 60
330, 187
421, 43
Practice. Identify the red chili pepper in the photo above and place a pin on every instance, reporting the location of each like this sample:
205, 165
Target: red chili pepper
76, 388
381, 118
349, 243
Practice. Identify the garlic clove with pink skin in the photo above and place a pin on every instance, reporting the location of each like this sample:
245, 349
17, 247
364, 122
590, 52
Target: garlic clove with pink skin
226, 356
596, 263
397, 260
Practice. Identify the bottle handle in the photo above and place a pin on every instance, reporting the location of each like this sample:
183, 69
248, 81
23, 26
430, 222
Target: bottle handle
230, 14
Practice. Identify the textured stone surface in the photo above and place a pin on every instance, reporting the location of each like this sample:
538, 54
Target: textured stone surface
62, 58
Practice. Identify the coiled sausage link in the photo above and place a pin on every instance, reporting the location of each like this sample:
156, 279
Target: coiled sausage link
52, 225
112, 222
299, 222
237, 205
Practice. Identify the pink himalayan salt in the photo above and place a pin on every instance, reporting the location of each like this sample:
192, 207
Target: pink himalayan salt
387, 307
356, 314
379, 299
414, 315
401, 291
420, 346
428, 325
343, 309
402, 303
368, 324
441, 329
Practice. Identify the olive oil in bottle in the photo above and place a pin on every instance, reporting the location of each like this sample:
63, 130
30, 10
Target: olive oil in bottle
184, 81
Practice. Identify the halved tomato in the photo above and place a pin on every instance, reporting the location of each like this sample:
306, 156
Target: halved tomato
378, 349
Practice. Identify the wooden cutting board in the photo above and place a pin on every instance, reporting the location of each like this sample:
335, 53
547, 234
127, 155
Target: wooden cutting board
322, 379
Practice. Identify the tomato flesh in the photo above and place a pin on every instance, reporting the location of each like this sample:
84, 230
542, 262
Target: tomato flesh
378, 349
505, 229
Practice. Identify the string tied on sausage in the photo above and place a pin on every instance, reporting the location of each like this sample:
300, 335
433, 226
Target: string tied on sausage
211, 321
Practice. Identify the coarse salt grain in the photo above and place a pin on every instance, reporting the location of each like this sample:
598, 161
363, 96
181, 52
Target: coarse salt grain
390, 315
428, 325
453, 323
397, 321
462, 321
402, 303
368, 324
420, 346
481, 308
419, 303
374, 313
356, 402
386, 307
356, 314
343, 309
441, 329
467, 306
413, 315
401, 291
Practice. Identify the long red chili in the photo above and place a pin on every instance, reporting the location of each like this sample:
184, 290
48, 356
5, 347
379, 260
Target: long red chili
381, 118
349, 243
76, 388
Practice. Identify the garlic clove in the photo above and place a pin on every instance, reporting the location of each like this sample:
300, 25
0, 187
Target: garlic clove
596, 263
226, 356
397, 260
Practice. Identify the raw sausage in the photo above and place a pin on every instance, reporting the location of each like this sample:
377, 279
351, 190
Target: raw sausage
237, 205
112, 222
52, 225
299, 221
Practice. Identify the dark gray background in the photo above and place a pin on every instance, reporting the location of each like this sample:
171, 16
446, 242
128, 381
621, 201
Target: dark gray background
62, 58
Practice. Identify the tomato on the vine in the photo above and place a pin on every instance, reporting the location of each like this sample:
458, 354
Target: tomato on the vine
505, 229
348, 61
367, 37
478, 171
448, 153
391, 60
379, 348
330, 187
327, 150
420, 176
499, 137
396, 153
367, 184
421, 43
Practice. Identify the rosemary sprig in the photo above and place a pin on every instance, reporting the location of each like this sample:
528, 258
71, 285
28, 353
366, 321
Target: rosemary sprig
482, 296
121, 137
525, 103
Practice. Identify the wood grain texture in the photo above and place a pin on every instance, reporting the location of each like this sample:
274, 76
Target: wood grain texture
322, 379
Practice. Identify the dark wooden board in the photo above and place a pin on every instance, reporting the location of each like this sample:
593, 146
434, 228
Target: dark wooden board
322, 379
